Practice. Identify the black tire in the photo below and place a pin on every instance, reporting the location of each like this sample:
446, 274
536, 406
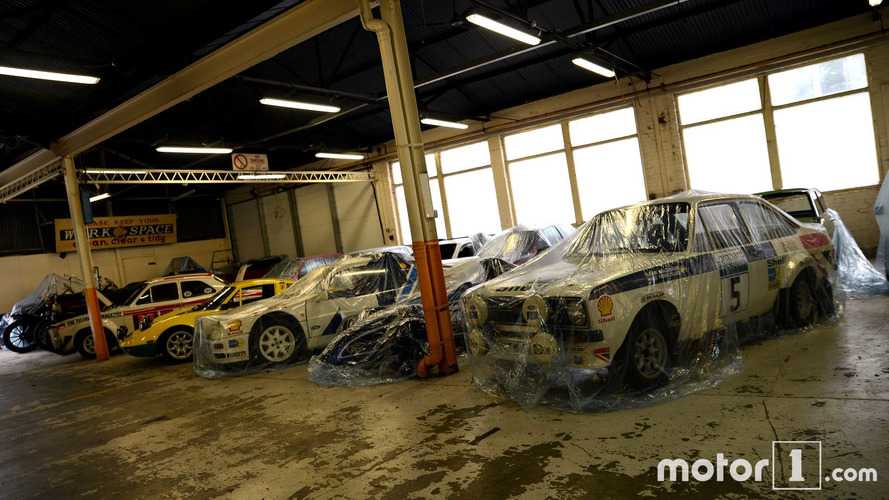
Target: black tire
84, 343
177, 344
803, 303
277, 340
648, 355
19, 336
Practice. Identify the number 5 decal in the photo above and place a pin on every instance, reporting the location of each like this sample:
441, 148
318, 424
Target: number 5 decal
735, 292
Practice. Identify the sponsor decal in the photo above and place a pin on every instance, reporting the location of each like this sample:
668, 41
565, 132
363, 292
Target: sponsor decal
648, 297
774, 267
603, 353
605, 305
731, 262
119, 232
814, 240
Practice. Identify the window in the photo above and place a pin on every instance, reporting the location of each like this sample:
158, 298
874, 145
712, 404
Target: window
722, 225
764, 224
164, 292
196, 289
607, 162
468, 183
724, 137
254, 293
541, 190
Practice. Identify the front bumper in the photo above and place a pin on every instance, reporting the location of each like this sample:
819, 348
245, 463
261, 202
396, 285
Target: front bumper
536, 345
229, 349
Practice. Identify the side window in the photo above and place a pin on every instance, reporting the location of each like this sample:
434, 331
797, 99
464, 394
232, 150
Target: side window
254, 293
145, 298
357, 281
196, 289
778, 225
164, 292
723, 227
754, 215
701, 241
466, 251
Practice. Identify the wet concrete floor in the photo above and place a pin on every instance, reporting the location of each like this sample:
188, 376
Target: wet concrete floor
132, 428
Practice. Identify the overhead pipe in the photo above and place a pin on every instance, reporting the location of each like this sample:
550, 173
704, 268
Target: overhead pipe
389, 29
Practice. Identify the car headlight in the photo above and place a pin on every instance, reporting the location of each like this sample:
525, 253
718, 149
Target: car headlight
476, 311
534, 310
576, 313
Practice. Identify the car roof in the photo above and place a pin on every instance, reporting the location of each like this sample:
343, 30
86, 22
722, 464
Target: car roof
785, 191
178, 277
260, 281
692, 197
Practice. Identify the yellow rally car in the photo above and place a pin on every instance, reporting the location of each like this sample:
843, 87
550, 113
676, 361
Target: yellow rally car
172, 335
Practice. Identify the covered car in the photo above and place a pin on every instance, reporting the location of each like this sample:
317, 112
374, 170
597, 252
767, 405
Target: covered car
307, 316
805, 205
387, 343
646, 293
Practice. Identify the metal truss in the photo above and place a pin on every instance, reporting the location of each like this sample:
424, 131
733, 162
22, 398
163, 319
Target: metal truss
135, 176
29, 181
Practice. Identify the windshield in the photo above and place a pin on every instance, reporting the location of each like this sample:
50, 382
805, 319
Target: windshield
216, 301
661, 227
799, 205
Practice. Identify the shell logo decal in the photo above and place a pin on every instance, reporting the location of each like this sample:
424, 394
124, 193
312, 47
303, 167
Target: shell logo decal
605, 305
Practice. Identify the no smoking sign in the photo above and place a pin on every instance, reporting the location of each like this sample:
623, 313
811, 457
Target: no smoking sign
250, 162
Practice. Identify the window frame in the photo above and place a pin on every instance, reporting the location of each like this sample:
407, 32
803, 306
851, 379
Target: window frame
768, 112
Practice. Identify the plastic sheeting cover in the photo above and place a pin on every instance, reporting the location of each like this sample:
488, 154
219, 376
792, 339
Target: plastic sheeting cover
183, 265
385, 345
646, 303
856, 276
280, 331
50, 286
881, 211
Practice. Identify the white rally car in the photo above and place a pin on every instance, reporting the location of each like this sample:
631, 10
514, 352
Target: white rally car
649, 283
306, 316
156, 297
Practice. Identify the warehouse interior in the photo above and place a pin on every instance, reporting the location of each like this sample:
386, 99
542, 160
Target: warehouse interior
312, 132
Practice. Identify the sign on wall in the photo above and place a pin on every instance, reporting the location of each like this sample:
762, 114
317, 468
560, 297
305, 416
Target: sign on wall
119, 232
248, 162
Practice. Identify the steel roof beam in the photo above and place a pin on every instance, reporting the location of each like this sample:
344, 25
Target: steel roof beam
295, 26
158, 176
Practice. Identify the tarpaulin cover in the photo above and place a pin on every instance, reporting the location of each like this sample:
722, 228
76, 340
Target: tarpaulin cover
881, 210
385, 345
294, 269
646, 303
281, 331
50, 286
856, 276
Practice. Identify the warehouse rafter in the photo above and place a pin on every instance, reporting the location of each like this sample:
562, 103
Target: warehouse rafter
143, 176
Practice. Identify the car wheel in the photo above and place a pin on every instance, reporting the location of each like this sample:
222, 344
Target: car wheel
178, 346
277, 342
19, 336
803, 305
86, 345
648, 354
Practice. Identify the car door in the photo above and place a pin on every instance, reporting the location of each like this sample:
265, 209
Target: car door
761, 256
153, 301
727, 237
350, 290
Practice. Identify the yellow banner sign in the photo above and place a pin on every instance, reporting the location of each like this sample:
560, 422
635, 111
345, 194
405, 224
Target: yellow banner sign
118, 232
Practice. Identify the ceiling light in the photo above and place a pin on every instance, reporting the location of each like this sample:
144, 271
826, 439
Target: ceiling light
260, 177
114, 172
874, 3
100, 197
595, 68
281, 103
340, 156
444, 123
498, 27
48, 75
194, 150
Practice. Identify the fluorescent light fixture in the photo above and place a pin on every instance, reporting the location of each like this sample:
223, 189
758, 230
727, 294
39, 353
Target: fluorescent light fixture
194, 150
498, 27
874, 3
113, 172
308, 106
100, 197
340, 156
48, 75
260, 177
443, 123
595, 68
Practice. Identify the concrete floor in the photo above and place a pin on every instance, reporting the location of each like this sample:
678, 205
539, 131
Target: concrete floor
132, 428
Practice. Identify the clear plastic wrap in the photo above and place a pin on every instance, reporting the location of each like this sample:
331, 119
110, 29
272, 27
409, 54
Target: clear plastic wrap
856, 275
52, 285
294, 269
385, 345
281, 331
881, 211
183, 265
646, 303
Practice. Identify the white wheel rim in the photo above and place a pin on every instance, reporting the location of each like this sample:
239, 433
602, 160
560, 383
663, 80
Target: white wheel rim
651, 353
17, 337
277, 343
179, 345
89, 344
